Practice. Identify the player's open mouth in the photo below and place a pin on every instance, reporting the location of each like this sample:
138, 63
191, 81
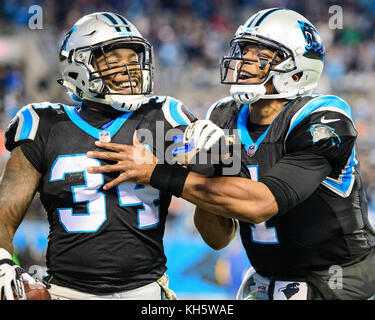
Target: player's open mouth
244, 75
126, 85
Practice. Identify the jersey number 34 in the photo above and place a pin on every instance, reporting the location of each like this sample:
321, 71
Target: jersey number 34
129, 194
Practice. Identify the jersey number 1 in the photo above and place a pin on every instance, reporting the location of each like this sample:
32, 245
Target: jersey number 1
260, 233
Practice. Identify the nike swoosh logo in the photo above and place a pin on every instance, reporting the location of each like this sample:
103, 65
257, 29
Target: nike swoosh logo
324, 120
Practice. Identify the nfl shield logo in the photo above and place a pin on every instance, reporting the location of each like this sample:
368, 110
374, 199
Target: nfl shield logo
251, 150
105, 136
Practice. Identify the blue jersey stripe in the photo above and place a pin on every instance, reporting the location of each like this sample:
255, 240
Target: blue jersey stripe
244, 133
347, 178
173, 110
321, 102
242, 126
27, 124
94, 132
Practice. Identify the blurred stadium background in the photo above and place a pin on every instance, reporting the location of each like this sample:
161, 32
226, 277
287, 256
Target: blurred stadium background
189, 38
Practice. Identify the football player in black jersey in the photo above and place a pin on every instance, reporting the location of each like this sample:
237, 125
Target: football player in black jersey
299, 196
103, 244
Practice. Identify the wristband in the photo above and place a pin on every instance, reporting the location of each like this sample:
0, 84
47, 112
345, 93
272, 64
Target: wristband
7, 261
169, 178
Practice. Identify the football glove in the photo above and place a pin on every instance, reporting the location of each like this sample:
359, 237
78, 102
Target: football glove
204, 133
11, 278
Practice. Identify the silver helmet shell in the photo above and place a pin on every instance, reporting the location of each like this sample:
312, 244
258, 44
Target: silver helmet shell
296, 40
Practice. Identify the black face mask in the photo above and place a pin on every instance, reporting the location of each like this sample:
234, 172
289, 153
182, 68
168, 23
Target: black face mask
231, 66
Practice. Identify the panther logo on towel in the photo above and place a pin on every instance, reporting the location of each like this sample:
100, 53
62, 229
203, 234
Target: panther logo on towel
290, 289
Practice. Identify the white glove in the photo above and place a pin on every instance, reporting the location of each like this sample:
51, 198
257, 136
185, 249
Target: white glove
11, 276
204, 133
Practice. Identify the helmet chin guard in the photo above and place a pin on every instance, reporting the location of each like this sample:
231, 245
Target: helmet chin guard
247, 94
120, 102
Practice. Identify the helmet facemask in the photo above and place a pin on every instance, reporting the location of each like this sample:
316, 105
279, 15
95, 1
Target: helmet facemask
138, 72
249, 87
98, 87
231, 66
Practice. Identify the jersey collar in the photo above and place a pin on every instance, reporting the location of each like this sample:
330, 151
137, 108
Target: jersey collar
250, 146
112, 127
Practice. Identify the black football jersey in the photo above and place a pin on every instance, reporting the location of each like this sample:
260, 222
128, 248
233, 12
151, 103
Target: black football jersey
99, 240
329, 226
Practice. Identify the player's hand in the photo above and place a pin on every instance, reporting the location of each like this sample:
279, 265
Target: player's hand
133, 162
204, 133
11, 285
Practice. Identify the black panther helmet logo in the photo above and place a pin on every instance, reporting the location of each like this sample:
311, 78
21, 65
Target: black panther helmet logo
290, 289
314, 48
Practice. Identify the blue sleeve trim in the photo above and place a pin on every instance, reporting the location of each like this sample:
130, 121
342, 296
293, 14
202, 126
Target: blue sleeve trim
321, 103
173, 110
27, 124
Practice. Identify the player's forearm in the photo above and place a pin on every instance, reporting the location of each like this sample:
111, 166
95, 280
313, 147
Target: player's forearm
215, 230
231, 197
17, 189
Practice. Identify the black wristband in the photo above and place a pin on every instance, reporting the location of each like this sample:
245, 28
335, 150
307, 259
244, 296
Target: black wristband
7, 261
169, 178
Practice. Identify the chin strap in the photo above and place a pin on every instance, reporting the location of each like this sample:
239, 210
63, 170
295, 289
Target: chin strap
120, 102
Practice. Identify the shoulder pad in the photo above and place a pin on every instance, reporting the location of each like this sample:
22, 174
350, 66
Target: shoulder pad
25, 124
223, 113
221, 102
321, 104
174, 112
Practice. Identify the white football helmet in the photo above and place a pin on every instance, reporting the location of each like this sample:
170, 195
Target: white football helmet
291, 37
93, 35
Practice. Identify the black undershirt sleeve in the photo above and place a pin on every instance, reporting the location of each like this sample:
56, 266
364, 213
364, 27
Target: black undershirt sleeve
295, 177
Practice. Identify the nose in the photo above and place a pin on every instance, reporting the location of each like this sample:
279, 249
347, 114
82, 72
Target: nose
128, 70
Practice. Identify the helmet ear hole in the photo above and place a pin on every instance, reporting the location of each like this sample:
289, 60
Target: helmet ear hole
73, 75
297, 76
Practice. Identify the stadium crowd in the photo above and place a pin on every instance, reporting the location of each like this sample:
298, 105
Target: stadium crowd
189, 37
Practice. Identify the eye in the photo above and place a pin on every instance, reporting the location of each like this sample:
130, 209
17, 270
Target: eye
264, 56
112, 61
263, 63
